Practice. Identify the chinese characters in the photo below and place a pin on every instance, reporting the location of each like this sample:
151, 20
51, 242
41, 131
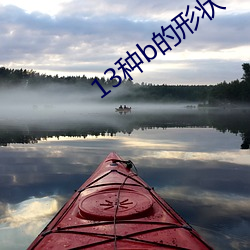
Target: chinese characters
169, 37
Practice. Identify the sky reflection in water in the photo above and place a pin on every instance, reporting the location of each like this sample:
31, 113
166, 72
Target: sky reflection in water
199, 171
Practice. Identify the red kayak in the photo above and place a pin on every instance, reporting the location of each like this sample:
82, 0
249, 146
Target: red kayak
116, 209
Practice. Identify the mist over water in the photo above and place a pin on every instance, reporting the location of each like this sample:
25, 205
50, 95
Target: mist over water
64, 103
56, 110
52, 138
48, 102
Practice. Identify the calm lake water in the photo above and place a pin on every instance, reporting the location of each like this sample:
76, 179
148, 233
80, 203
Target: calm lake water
197, 160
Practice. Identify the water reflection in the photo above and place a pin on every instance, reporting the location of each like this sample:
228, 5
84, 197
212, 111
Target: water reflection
21, 221
195, 166
33, 209
111, 123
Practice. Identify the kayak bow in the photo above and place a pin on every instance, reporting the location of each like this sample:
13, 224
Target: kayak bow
116, 209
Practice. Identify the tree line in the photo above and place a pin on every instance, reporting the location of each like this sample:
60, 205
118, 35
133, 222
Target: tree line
236, 91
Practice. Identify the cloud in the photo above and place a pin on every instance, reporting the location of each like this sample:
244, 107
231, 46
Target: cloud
26, 220
233, 204
142, 10
29, 211
86, 37
227, 31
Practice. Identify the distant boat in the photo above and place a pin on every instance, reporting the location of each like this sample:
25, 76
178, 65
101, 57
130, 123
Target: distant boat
125, 110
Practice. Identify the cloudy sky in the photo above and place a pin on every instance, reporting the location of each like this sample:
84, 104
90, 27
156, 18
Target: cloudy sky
76, 37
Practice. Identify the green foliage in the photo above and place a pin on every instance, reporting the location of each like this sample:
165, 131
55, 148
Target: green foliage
246, 75
234, 92
223, 93
31, 78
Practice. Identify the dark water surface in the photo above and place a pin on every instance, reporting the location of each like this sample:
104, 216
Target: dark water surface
193, 158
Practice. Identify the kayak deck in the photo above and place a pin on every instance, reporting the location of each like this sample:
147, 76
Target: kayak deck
116, 209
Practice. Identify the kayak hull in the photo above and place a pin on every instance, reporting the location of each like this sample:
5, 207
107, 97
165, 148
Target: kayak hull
116, 209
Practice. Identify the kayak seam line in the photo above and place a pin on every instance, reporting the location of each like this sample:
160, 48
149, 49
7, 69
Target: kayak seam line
173, 212
44, 233
62, 230
99, 178
128, 237
166, 208
114, 170
120, 222
110, 184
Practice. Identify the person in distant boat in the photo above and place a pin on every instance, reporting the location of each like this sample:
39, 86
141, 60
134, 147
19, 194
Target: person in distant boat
120, 107
125, 106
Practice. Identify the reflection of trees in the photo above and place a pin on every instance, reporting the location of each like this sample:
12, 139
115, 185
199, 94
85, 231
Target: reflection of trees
246, 141
16, 137
234, 121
